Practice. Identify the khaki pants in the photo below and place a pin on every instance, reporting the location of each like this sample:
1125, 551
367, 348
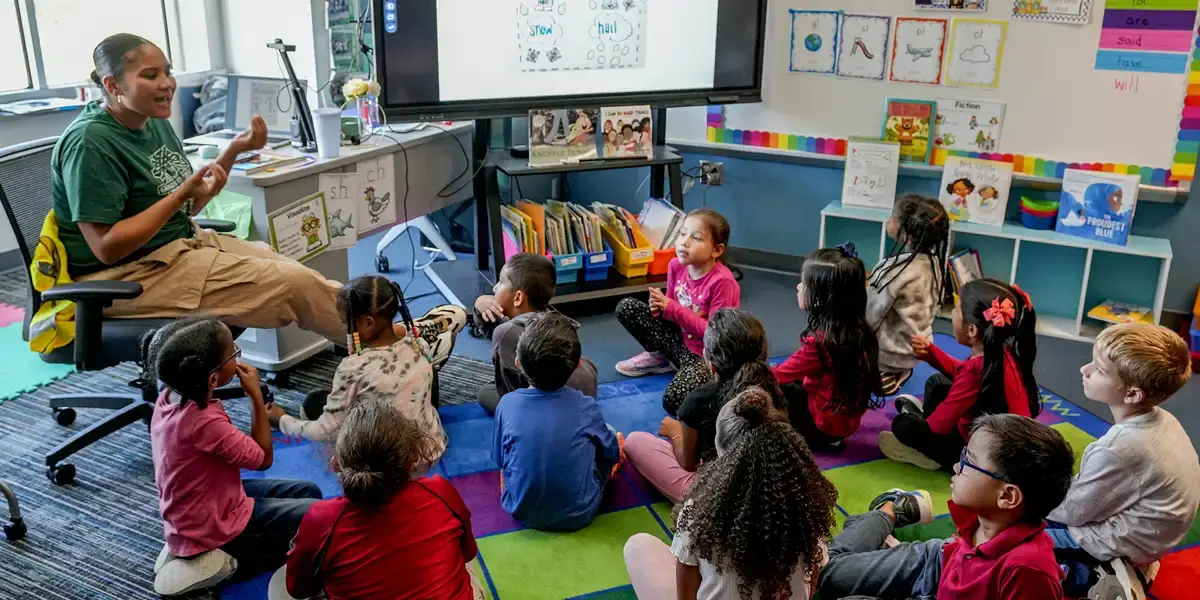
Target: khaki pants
244, 284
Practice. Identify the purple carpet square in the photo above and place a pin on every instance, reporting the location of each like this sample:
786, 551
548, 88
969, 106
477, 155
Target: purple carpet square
481, 492
625, 490
863, 446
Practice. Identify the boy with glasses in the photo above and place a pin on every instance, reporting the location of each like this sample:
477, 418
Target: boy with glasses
1011, 474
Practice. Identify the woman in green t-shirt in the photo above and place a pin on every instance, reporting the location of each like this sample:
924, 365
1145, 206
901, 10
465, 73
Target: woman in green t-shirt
124, 193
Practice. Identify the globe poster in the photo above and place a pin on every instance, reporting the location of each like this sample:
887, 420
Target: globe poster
815, 41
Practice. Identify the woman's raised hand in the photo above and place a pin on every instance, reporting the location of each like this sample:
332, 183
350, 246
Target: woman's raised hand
254, 137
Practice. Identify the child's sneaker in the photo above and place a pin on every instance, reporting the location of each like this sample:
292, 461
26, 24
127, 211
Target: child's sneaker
646, 363
907, 403
892, 381
1118, 581
897, 451
910, 507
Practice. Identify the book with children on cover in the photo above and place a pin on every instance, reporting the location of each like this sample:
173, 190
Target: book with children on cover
976, 190
625, 132
1097, 206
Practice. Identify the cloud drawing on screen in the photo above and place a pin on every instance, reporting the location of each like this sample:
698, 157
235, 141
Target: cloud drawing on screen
975, 54
611, 28
543, 31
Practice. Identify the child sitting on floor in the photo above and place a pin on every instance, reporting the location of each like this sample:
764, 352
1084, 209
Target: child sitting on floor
1139, 484
671, 327
997, 323
380, 363
735, 345
198, 456
554, 450
393, 535
522, 292
833, 378
1009, 476
905, 290
754, 524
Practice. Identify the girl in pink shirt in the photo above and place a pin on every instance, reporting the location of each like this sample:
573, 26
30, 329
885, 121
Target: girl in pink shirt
199, 453
671, 327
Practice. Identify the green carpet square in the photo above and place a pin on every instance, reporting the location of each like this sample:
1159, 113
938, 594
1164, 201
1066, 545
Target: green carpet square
22, 370
663, 510
534, 565
939, 529
859, 484
1077, 438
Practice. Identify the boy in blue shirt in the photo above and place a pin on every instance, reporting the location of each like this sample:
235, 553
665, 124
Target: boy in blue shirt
554, 450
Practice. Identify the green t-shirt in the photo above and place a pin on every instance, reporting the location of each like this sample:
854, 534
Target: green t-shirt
105, 172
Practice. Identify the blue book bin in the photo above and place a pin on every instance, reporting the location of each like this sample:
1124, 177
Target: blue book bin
596, 264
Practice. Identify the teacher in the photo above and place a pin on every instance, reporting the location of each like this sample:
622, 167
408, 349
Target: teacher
124, 193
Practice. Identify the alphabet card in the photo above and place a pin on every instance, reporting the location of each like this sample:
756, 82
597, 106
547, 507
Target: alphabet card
863, 46
968, 5
1053, 11
918, 49
300, 230
976, 190
377, 203
342, 194
815, 41
976, 47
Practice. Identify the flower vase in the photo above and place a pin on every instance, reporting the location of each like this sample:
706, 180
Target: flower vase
368, 113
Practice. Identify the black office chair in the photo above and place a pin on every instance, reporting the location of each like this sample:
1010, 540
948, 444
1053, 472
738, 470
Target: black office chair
26, 194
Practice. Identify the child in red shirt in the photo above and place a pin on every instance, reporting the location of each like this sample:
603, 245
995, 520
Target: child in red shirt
393, 536
997, 322
671, 326
1011, 474
834, 377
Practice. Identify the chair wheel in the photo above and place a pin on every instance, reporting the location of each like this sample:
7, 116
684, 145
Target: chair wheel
64, 416
15, 531
381, 264
63, 474
475, 330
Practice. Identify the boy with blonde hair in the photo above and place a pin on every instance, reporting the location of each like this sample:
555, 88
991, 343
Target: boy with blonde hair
1138, 486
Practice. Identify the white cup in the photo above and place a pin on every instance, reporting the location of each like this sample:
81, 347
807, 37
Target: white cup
328, 125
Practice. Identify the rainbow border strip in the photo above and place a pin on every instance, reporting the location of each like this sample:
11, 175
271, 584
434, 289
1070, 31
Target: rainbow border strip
1029, 165
1187, 147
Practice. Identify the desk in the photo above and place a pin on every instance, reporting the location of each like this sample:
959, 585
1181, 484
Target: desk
429, 158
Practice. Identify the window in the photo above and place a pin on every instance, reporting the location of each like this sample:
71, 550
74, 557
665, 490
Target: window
53, 40
13, 74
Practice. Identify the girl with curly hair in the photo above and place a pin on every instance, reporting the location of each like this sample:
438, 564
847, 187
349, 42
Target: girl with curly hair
754, 524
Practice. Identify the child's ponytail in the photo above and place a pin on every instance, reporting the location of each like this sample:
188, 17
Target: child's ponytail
923, 227
1005, 318
373, 296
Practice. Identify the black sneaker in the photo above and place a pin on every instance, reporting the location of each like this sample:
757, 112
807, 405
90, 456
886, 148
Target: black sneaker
910, 507
906, 403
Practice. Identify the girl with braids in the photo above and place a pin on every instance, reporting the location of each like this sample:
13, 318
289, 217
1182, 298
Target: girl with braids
997, 322
735, 348
906, 288
394, 534
753, 526
198, 456
380, 362
831, 381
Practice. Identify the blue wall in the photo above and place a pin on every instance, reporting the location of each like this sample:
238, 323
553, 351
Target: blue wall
776, 207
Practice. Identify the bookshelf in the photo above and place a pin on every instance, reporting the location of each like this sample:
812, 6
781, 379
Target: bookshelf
1065, 275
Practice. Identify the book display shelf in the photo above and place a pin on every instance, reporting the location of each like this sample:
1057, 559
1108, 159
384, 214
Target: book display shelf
1065, 275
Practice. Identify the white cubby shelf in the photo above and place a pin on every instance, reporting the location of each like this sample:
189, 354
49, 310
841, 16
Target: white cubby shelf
1064, 275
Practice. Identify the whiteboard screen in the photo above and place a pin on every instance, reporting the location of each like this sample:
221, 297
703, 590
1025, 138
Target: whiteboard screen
1059, 107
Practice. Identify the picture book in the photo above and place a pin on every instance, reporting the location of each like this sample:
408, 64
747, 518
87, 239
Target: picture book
971, 125
626, 132
910, 122
965, 267
976, 190
1111, 311
1097, 206
556, 136
872, 168
265, 162
660, 222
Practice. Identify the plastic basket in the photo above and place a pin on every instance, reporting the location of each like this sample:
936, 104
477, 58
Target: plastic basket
566, 266
630, 262
596, 264
1035, 222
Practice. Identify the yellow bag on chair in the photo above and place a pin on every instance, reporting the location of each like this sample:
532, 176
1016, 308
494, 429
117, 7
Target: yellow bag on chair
53, 325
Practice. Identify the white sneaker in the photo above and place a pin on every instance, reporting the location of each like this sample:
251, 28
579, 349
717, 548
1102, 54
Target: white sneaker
1118, 581
897, 451
643, 364
178, 576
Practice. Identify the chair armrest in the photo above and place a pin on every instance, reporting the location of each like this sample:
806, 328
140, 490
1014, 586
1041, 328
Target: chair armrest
92, 291
216, 225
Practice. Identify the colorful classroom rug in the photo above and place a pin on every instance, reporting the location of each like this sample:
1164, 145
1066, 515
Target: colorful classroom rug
522, 564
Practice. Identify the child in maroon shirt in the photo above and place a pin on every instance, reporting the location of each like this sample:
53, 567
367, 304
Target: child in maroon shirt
393, 536
831, 381
997, 322
1011, 474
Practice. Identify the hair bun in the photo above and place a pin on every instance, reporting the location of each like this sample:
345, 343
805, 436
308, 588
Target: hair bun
365, 487
95, 78
752, 404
